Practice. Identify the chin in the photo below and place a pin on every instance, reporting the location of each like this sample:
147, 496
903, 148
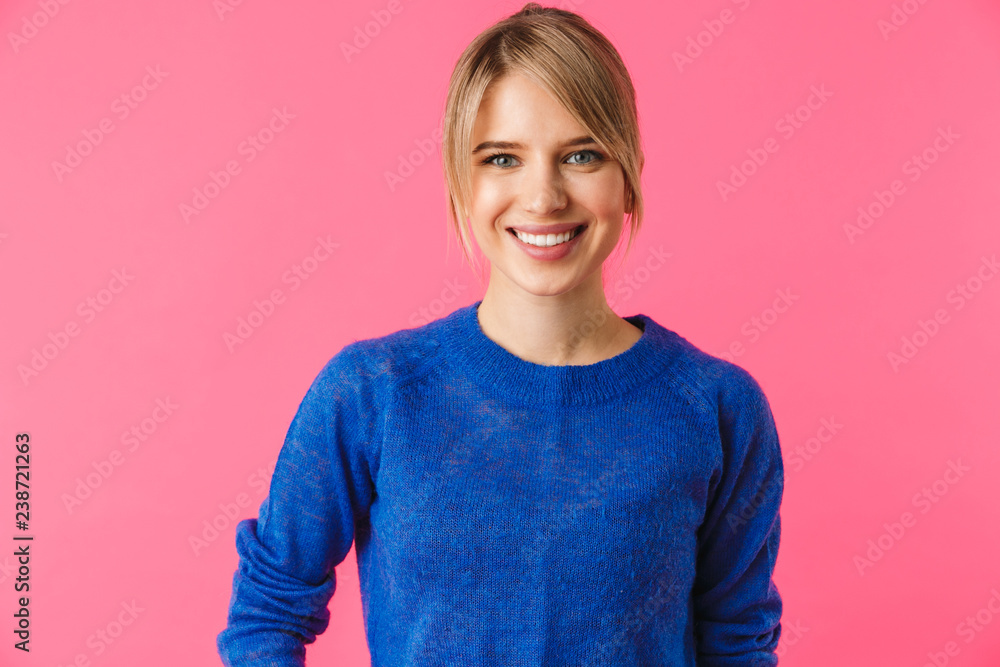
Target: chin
554, 288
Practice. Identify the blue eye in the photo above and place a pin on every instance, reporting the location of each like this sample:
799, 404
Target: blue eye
490, 159
595, 156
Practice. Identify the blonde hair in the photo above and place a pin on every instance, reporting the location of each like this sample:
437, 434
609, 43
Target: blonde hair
560, 51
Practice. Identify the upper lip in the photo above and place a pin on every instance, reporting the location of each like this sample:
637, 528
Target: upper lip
546, 229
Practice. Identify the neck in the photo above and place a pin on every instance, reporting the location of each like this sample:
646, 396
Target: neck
563, 330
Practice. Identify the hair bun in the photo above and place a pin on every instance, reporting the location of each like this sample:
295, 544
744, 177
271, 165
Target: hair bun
530, 8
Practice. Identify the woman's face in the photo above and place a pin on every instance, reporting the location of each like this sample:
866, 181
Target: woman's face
534, 169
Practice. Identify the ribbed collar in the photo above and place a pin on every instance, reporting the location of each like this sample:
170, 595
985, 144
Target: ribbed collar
513, 378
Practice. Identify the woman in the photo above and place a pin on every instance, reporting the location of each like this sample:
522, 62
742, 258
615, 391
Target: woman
532, 479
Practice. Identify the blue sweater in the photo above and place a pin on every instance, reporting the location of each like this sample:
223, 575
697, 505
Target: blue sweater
510, 513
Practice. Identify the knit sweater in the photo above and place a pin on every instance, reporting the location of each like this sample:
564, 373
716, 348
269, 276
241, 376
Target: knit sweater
507, 513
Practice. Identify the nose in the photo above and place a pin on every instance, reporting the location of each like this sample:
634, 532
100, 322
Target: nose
544, 191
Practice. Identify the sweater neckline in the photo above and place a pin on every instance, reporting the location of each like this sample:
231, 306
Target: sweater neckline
513, 378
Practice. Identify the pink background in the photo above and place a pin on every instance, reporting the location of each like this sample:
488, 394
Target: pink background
897, 427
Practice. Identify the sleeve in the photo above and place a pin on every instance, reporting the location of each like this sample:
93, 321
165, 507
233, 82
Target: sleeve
322, 483
737, 606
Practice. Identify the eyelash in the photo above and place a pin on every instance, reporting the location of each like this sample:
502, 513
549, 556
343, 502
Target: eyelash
598, 157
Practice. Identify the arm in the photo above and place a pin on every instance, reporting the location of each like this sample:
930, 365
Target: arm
737, 606
320, 486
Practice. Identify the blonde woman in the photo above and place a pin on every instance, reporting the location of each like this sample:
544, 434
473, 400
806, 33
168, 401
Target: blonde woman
532, 479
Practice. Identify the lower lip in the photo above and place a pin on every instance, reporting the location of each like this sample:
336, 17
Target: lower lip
549, 252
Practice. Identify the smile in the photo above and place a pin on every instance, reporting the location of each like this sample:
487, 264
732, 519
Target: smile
546, 240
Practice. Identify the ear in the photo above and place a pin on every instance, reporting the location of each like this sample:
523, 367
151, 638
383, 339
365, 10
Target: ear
629, 199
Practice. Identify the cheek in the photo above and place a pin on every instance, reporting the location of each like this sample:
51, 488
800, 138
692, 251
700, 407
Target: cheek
484, 208
605, 198
480, 192
488, 198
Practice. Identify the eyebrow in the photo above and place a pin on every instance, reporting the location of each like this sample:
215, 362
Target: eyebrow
510, 145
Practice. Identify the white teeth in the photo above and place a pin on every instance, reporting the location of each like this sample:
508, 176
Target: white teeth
546, 240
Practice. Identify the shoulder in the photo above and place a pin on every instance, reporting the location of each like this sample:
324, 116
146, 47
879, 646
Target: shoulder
386, 361
713, 383
730, 402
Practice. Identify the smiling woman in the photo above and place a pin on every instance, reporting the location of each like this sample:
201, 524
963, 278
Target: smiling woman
532, 479
541, 139
546, 209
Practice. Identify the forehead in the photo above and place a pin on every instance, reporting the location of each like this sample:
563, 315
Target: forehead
515, 108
